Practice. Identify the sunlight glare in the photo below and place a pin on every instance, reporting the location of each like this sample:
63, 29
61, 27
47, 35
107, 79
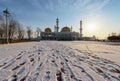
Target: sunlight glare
91, 27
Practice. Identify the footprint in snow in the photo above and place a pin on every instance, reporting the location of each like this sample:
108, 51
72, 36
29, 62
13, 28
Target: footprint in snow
13, 78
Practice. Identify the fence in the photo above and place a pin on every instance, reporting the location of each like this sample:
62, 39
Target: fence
2, 40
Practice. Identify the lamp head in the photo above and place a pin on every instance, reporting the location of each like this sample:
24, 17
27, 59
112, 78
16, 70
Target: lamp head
6, 11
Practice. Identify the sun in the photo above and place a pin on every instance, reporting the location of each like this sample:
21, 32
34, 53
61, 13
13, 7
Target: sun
91, 27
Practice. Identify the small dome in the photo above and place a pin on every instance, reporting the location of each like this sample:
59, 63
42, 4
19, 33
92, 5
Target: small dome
48, 30
65, 29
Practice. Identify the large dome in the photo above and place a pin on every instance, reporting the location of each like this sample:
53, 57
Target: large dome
48, 30
65, 29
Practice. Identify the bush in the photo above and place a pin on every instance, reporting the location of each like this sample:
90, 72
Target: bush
114, 38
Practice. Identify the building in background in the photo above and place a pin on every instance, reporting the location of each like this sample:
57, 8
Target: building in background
81, 29
65, 33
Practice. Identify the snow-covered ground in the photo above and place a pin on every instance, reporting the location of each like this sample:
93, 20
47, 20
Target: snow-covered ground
108, 50
60, 61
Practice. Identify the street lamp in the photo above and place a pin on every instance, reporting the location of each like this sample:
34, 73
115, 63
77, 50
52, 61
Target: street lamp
7, 15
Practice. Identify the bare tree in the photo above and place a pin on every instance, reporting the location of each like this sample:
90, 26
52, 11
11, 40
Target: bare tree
2, 27
21, 32
29, 32
1, 18
38, 31
15, 29
12, 28
2, 31
119, 34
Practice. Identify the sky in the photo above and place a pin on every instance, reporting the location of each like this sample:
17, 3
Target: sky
100, 17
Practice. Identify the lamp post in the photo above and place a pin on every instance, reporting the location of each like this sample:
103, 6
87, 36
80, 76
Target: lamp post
7, 15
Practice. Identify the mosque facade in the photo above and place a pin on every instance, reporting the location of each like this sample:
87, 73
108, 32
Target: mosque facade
66, 33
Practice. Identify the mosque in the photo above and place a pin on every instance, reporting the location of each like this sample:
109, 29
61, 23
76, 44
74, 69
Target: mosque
66, 33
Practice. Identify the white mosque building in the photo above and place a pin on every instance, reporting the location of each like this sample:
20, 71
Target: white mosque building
65, 33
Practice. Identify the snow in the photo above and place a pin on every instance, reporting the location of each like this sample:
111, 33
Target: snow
107, 50
60, 61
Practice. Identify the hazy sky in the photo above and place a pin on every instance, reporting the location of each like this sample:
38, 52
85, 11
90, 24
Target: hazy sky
100, 17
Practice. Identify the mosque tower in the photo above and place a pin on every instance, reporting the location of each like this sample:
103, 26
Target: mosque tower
71, 28
57, 25
81, 29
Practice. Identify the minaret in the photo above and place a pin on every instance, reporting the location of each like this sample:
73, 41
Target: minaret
71, 28
81, 28
57, 23
54, 28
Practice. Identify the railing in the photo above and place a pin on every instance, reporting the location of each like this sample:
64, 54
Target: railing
2, 40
